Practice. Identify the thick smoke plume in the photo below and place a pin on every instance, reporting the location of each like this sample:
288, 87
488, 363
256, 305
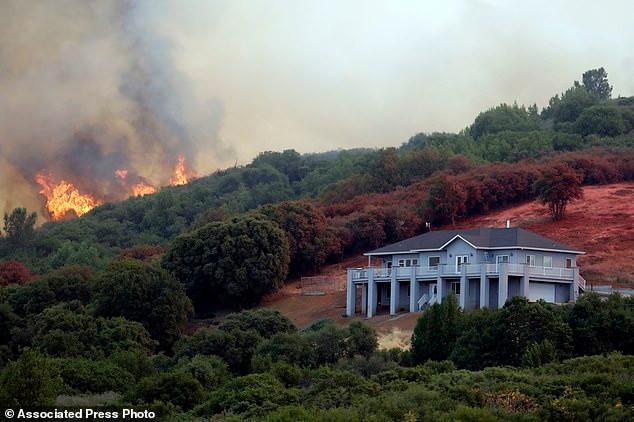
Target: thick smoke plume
88, 89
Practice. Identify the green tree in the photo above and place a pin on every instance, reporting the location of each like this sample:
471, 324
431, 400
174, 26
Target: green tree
436, 331
362, 339
230, 263
29, 382
178, 388
557, 186
18, 226
570, 105
141, 292
596, 82
501, 118
601, 120
266, 322
209, 371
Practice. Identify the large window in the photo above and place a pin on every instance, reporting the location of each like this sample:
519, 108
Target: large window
530, 260
548, 261
433, 262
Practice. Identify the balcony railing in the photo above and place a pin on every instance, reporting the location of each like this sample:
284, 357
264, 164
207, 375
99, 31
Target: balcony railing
449, 270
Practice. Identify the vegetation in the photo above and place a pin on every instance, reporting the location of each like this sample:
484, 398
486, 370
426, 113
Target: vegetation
520, 364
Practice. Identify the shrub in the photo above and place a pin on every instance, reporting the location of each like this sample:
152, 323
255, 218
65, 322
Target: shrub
178, 388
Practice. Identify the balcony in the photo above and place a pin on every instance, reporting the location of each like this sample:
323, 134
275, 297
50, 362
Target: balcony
451, 270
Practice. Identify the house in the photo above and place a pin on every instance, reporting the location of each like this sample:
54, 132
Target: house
483, 267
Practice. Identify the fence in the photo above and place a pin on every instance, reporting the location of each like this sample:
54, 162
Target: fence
321, 285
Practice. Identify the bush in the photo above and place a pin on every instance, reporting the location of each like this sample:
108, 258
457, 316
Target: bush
266, 322
436, 331
141, 292
178, 388
29, 382
92, 376
209, 371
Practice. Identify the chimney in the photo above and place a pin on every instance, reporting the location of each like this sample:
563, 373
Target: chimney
508, 224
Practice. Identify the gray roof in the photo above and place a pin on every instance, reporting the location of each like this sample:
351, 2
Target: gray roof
482, 238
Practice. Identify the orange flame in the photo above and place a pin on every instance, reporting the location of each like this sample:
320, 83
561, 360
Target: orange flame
142, 189
64, 197
181, 175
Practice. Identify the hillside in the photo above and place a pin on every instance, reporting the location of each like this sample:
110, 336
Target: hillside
602, 224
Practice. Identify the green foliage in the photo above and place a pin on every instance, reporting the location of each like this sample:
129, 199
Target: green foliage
179, 388
596, 83
81, 375
72, 282
231, 262
29, 382
603, 120
236, 347
266, 322
18, 226
68, 330
141, 292
599, 326
436, 331
538, 354
209, 371
570, 106
252, 396
501, 118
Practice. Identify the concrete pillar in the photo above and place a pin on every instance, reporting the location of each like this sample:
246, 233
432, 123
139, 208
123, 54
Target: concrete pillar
413, 292
503, 283
351, 294
440, 288
371, 293
484, 287
525, 282
464, 287
364, 298
394, 293
574, 291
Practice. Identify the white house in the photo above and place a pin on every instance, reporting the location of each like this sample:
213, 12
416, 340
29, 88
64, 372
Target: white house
483, 267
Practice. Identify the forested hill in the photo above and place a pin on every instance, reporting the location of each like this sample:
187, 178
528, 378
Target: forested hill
359, 198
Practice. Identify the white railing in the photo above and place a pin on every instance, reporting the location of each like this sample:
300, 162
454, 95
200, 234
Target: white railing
450, 270
581, 283
552, 272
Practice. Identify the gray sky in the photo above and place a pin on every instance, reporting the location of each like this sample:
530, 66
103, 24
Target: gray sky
318, 75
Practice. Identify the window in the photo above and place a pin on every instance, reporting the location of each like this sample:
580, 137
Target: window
568, 262
407, 262
502, 259
455, 287
530, 260
433, 262
548, 261
461, 259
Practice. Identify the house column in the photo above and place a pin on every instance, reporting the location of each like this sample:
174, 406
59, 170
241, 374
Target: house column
371, 293
413, 292
574, 291
525, 282
364, 298
484, 287
351, 293
440, 288
503, 283
464, 287
394, 292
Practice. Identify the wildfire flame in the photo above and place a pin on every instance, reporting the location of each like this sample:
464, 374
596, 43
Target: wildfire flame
63, 197
181, 175
142, 189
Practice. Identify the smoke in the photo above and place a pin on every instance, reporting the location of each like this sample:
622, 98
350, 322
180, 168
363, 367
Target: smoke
87, 87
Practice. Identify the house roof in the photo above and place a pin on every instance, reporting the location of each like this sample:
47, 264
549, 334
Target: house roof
479, 238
